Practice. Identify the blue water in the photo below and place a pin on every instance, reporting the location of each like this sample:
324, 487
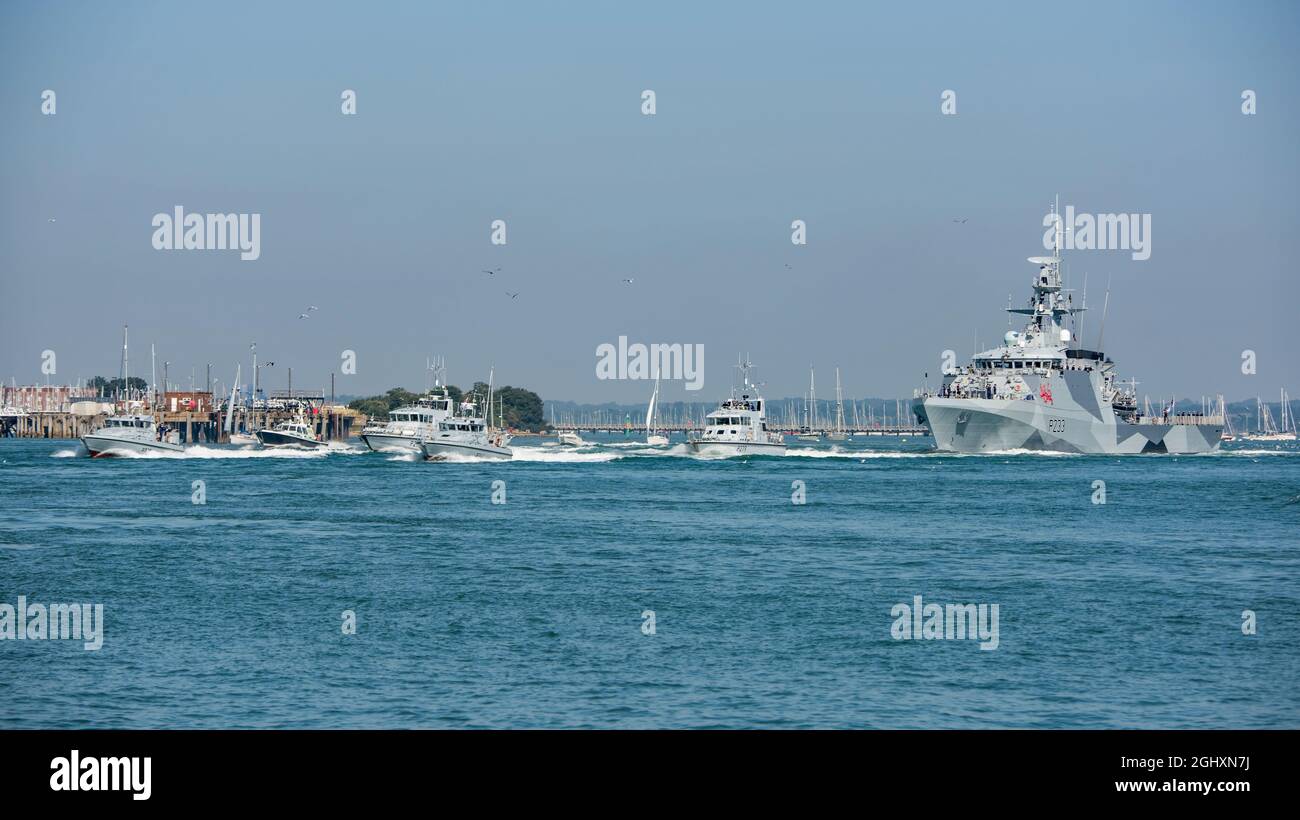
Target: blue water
767, 613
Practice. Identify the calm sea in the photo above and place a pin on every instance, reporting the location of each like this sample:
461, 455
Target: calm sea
766, 613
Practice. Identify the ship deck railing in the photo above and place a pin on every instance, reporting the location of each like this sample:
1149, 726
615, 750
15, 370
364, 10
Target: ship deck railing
1181, 418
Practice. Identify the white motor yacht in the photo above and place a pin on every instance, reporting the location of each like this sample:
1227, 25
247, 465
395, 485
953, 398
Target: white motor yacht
568, 438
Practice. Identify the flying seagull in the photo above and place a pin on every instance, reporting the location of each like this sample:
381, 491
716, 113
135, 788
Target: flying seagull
628, 281
51, 219
512, 295
312, 307
492, 272
961, 221
304, 316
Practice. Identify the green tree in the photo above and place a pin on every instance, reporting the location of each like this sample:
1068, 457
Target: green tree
521, 408
399, 397
107, 387
374, 407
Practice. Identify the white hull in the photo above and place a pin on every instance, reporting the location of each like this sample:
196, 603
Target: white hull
100, 446
734, 448
656, 441
388, 443
438, 450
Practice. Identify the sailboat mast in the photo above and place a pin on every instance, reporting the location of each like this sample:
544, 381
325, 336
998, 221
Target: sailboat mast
839, 404
252, 391
230, 408
126, 364
812, 397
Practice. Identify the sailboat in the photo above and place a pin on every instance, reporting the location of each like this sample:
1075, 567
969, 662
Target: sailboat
1228, 433
241, 439
838, 433
1267, 431
1288, 418
652, 438
806, 432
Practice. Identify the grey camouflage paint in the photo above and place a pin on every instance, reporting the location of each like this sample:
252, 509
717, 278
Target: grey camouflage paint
1075, 421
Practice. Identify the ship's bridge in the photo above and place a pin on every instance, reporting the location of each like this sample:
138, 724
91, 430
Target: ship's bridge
1018, 360
1086, 355
743, 403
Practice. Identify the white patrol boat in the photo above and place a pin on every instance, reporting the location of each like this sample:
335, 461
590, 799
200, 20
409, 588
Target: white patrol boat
409, 426
738, 426
466, 434
469, 434
131, 433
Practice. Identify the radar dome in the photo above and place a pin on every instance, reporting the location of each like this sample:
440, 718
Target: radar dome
1011, 336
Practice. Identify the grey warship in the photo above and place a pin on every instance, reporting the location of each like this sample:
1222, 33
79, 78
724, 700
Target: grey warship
1040, 391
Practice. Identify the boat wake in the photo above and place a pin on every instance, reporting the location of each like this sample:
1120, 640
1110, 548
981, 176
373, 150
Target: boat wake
626, 444
200, 451
551, 455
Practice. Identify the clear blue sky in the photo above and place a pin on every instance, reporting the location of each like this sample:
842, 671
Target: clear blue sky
469, 112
